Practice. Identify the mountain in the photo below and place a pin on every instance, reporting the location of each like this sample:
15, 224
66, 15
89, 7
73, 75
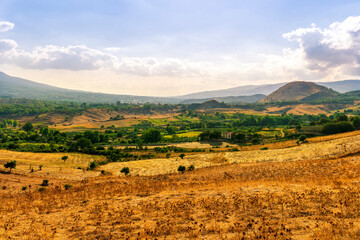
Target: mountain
342, 86
232, 99
21, 88
248, 90
211, 104
294, 91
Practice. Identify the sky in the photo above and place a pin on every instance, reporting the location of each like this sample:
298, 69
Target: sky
176, 47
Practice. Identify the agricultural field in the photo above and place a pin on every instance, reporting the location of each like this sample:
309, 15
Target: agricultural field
169, 172
309, 191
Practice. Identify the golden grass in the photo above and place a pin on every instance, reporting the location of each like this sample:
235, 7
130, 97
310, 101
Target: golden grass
310, 191
319, 148
52, 164
289, 200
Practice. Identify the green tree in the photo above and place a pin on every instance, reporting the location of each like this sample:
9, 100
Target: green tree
125, 170
64, 158
28, 127
151, 136
11, 165
302, 138
181, 169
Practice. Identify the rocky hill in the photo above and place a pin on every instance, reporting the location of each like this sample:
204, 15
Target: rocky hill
294, 91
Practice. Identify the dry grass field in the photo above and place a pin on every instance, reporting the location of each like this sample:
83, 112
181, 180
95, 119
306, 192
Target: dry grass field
311, 191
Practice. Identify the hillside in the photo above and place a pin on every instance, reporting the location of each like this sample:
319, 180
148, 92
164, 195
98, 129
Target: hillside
298, 91
231, 99
248, 90
21, 88
256, 195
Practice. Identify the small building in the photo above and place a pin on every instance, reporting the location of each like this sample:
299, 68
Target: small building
228, 135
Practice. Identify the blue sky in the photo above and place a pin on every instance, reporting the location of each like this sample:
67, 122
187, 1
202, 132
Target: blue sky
173, 47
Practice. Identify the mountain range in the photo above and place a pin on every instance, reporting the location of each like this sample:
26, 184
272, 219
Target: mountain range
266, 89
21, 88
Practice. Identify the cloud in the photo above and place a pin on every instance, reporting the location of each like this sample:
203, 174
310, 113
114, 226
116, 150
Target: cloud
322, 53
331, 49
6, 26
7, 45
74, 58
77, 58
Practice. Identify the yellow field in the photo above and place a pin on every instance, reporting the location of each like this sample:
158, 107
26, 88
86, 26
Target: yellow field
310, 191
52, 164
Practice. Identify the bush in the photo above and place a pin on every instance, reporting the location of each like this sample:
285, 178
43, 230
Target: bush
341, 127
45, 183
191, 168
182, 156
64, 158
264, 148
67, 186
11, 165
302, 138
125, 170
181, 169
92, 165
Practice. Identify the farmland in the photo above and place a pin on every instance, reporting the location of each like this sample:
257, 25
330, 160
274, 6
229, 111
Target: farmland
302, 192
101, 173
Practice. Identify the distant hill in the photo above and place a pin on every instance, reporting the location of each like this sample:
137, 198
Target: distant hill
248, 90
342, 86
211, 104
21, 88
232, 99
293, 91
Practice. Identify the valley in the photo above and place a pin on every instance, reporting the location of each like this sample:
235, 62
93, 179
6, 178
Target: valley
283, 168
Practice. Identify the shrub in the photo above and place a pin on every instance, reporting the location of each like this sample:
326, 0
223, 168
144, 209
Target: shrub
182, 156
92, 165
67, 186
42, 189
181, 169
264, 148
302, 138
24, 188
341, 127
45, 183
125, 170
64, 158
255, 141
191, 168
11, 165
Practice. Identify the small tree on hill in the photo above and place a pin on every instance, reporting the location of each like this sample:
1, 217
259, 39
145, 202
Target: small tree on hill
181, 169
64, 158
302, 138
125, 170
28, 127
182, 156
11, 165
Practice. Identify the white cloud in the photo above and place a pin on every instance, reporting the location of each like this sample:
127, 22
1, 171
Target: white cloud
6, 26
331, 53
81, 57
7, 45
336, 48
